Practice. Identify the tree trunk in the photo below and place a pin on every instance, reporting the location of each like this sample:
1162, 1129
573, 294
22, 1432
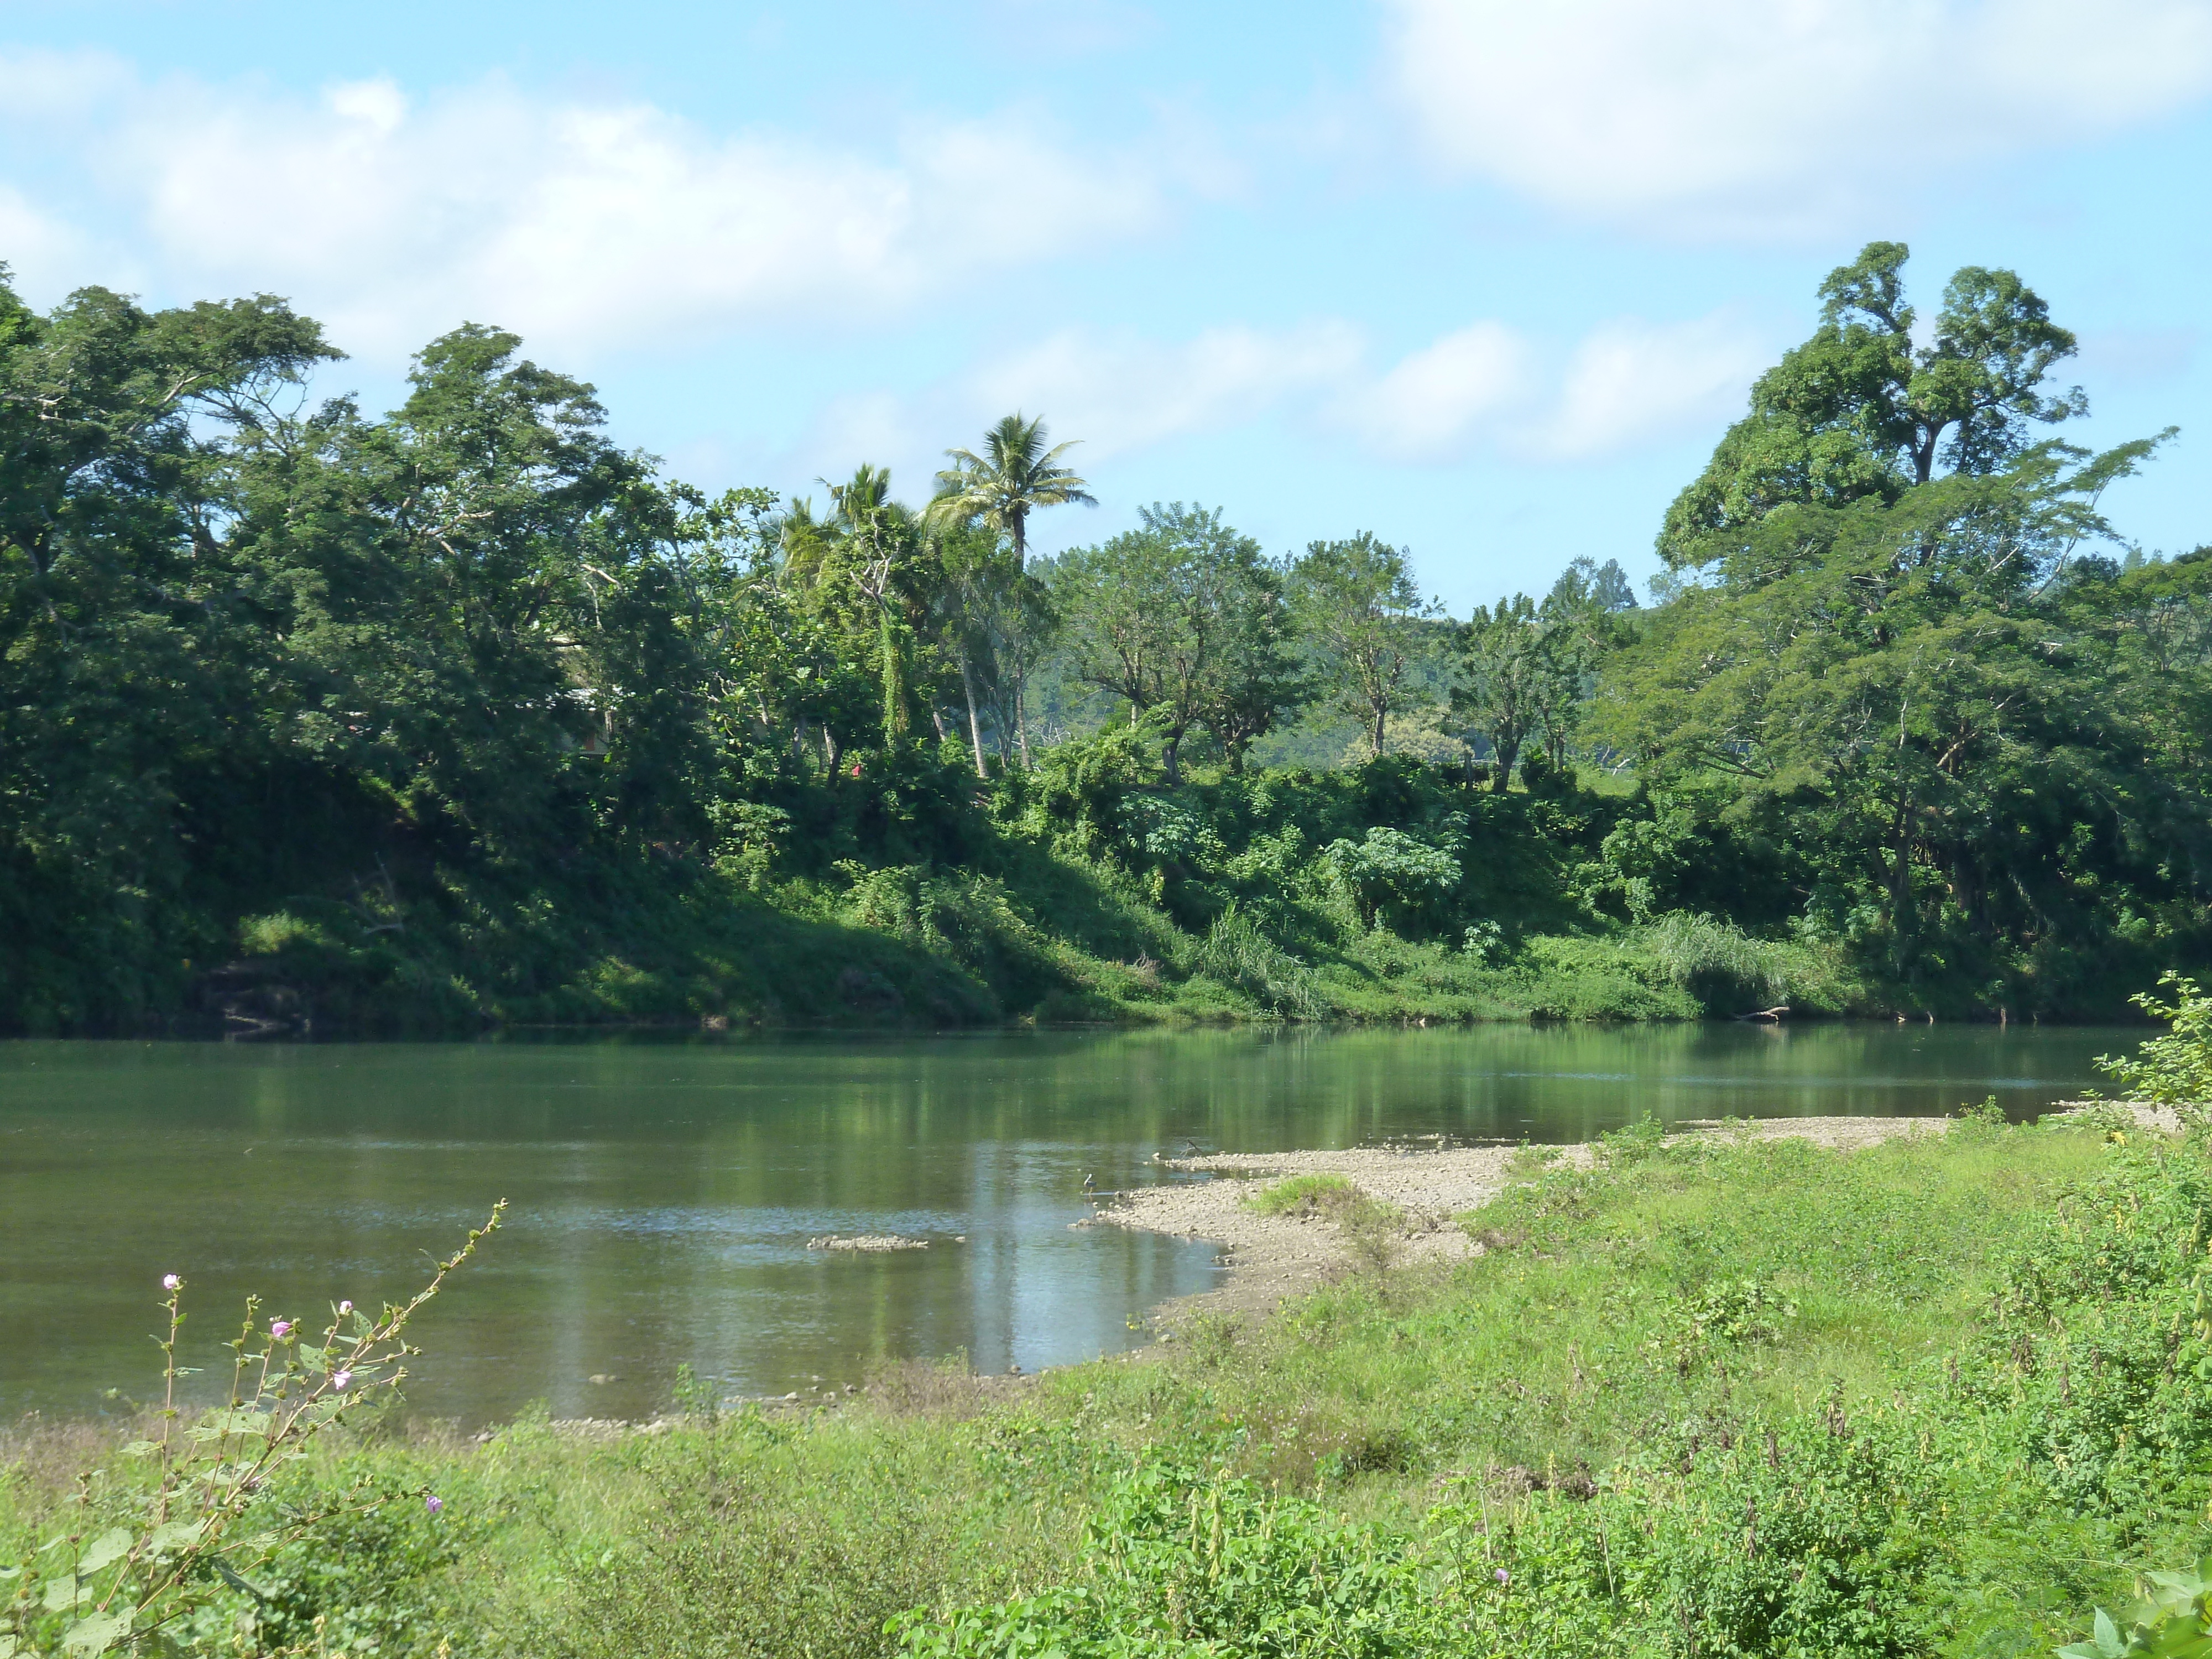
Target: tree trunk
830, 747
1507, 753
975, 724
1902, 919
1021, 721
895, 708
1382, 718
1171, 758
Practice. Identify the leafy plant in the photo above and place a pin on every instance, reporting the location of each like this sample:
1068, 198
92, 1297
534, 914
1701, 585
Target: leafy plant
2176, 1069
1238, 954
2173, 1620
201, 1520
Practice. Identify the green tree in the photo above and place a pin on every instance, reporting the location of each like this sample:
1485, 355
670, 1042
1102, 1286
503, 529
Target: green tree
1182, 616
1255, 678
1356, 604
1020, 627
998, 604
1508, 677
882, 553
1014, 476
1581, 619
1890, 655
135, 644
1859, 411
977, 566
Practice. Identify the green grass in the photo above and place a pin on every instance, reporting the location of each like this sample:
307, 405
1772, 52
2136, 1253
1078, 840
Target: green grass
1304, 1195
1965, 1363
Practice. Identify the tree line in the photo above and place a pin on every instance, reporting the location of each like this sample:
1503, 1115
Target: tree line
1898, 667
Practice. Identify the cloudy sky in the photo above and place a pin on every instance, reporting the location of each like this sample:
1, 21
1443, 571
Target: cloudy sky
1486, 276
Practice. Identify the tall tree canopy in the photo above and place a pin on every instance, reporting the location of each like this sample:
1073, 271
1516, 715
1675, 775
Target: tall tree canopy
1859, 411
1356, 602
1182, 616
1014, 476
1885, 660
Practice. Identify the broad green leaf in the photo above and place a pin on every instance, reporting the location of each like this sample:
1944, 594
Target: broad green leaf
95, 1635
111, 1545
173, 1535
2106, 1634
224, 1425
63, 1594
142, 1448
2180, 1638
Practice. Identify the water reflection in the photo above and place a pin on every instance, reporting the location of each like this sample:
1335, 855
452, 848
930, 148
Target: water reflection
663, 1192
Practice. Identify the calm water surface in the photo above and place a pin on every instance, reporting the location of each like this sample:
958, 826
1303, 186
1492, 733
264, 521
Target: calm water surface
662, 1194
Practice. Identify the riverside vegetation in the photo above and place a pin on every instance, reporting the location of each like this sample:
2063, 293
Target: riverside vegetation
465, 714
1710, 1395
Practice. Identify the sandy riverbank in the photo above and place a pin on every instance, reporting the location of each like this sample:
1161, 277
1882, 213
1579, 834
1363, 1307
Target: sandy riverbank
1268, 1258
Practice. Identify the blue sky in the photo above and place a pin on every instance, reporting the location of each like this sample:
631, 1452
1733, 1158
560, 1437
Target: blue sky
1485, 277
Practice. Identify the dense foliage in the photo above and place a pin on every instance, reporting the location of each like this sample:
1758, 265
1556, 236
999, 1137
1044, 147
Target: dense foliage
465, 714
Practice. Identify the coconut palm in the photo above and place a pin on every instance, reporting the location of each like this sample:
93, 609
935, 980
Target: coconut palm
1015, 474
878, 532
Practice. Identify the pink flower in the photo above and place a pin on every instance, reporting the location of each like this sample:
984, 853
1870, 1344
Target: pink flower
339, 1380
170, 1282
433, 1503
280, 1328
1502, 1576
344, 1308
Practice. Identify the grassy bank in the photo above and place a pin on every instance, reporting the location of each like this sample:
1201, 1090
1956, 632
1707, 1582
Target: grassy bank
1934, 1397
1086, 891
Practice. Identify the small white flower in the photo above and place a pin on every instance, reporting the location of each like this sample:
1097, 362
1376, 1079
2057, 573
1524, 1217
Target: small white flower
170, 1281
340, 1379
345, 1308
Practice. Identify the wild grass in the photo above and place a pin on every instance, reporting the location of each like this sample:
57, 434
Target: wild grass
1371, 1228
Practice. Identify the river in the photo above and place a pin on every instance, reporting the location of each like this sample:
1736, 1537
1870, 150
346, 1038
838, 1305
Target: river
663, 1193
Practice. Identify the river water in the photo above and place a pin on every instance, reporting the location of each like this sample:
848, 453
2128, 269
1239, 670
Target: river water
662, 1193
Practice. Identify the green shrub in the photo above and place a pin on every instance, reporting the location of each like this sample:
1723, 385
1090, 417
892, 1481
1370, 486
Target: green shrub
2175, 1069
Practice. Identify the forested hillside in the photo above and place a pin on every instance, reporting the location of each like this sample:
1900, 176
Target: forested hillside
466, 714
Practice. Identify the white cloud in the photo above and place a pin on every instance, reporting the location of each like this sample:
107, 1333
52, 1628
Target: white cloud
1777, 115
1433, 402
1631, 382
1625, 384
578, 224
37, 248
1125, 392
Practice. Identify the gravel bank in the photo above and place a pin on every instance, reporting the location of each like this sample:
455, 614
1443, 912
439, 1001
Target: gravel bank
1269, 1258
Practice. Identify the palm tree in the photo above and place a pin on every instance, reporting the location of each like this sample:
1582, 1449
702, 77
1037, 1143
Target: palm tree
1015, 474
876, 529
